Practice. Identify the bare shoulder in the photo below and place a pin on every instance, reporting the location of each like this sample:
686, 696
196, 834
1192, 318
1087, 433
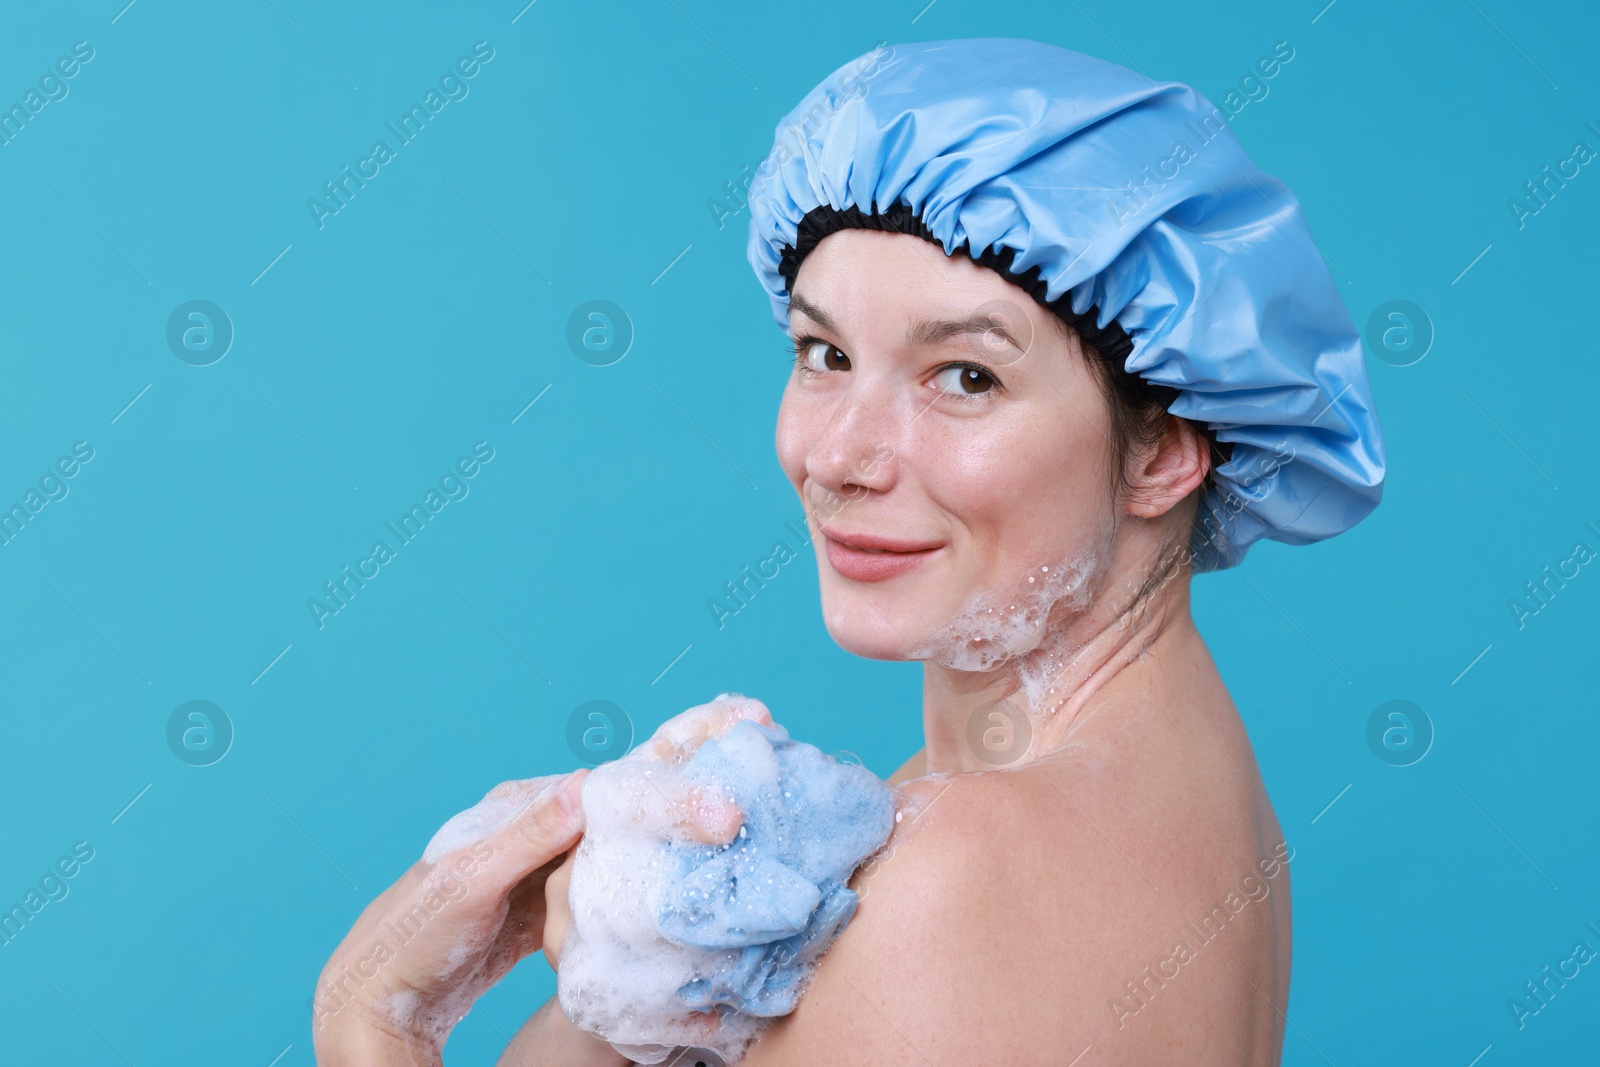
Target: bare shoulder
912, 977
1024, 916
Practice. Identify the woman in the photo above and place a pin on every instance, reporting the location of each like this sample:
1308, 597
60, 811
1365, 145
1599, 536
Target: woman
1058, 346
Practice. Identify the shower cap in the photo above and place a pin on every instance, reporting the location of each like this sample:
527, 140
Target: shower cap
1126, 206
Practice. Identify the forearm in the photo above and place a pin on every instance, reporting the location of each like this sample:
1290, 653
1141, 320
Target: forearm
548, 1039
367, 1046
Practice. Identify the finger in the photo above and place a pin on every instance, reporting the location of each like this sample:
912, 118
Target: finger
680, 735
688, 729
488, 816
522, 787
544, 824
692, 812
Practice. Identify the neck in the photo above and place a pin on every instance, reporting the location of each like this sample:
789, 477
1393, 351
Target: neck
1025, 708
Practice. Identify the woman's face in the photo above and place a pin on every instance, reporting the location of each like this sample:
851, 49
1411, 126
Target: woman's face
951, 446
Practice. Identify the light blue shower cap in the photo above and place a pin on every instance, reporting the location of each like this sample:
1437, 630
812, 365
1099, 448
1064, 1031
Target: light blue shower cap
1128, 207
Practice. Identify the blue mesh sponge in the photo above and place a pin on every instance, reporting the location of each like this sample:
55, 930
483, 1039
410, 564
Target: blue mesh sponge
775, 897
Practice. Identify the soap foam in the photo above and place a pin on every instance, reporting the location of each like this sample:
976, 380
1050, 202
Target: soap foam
490, 815
992, 629
1026, 628
678, 944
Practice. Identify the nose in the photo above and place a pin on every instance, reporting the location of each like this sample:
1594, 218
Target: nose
855, 453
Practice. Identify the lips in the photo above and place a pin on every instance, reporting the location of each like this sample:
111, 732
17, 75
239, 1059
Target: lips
865, 557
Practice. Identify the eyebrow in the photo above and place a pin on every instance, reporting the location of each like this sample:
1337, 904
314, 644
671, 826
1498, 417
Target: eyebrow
811, 311
933, 331
920, 331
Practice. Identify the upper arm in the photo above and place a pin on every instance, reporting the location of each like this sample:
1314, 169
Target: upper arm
938, 966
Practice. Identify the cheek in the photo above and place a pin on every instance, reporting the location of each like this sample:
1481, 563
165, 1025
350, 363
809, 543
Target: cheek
1028, 492
1027, 466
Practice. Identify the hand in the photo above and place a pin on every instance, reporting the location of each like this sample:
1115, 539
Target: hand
682, 811
452, 926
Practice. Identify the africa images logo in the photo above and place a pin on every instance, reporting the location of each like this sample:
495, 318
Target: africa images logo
452, 86
453, 486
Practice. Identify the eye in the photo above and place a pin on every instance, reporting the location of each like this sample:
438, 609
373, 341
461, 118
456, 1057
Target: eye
815, 356
964, 379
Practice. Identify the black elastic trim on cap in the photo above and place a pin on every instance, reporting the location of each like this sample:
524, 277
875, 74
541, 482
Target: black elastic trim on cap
1112, 341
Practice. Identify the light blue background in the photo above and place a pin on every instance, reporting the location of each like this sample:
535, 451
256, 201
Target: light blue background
417, 323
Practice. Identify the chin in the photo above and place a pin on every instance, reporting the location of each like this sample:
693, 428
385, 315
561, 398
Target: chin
869, 630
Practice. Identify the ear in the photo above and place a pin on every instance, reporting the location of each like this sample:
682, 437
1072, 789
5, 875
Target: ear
1163, 475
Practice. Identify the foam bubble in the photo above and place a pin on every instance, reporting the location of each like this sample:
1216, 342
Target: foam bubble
992, 629
1029, 628
676, 944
